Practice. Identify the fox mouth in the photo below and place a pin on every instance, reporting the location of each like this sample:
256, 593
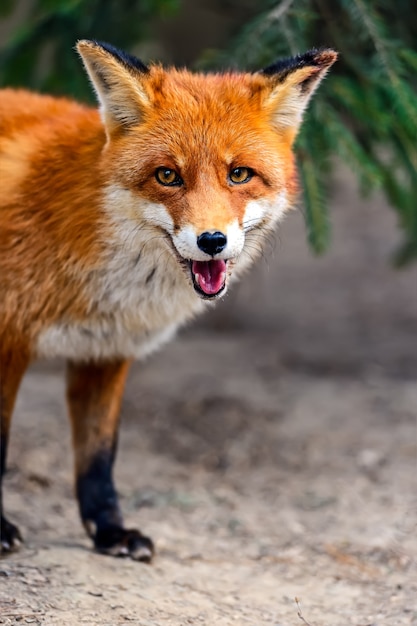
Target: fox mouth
209, 277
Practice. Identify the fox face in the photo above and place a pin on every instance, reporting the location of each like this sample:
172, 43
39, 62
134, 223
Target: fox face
203, 162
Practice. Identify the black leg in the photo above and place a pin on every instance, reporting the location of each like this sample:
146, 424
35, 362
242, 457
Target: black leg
12, 367
94, 396
9, 533
100, 512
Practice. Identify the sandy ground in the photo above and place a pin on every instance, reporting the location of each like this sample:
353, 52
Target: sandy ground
271, 452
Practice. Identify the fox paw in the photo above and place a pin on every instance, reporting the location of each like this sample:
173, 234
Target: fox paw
10, 537
117, 541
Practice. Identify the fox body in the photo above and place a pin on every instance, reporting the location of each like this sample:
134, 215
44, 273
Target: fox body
119, 225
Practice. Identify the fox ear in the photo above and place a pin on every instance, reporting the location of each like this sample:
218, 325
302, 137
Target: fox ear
292, 82
118, 80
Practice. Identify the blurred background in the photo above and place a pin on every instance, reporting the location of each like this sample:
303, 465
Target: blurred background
338, 287
269, 450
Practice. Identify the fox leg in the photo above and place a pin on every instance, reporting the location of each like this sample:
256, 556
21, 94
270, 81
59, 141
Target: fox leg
12, 368
94, 392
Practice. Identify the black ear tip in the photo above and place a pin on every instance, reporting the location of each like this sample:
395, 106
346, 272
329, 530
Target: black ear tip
317, 57
126, 59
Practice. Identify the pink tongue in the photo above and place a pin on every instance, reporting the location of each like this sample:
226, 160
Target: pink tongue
209, 275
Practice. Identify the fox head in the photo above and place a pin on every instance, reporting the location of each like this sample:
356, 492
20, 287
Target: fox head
205, 159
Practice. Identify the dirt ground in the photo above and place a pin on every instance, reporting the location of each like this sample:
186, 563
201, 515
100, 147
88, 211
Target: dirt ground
270, 451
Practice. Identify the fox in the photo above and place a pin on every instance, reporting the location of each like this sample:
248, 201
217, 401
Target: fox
118, 224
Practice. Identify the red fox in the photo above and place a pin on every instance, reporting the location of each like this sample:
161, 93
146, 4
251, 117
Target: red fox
118, 226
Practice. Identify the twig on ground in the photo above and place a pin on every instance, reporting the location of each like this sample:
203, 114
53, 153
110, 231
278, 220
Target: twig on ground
299, 613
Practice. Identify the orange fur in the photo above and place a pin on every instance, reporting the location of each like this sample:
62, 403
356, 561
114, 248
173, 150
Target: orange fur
94, 395
50, 234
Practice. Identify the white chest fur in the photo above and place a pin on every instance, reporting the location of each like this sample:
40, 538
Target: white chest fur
138, 298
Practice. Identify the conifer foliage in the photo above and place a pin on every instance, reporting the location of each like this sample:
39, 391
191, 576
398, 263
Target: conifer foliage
366, 112
40, 50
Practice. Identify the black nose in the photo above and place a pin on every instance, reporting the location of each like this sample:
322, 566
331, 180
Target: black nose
212, 243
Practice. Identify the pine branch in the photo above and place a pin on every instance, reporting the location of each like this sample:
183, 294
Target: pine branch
315, 205
375, 28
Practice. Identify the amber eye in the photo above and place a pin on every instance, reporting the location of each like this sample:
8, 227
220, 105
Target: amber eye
240, 175
167, 177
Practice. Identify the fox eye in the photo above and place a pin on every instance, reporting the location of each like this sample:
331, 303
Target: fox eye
240, 175
166, 176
